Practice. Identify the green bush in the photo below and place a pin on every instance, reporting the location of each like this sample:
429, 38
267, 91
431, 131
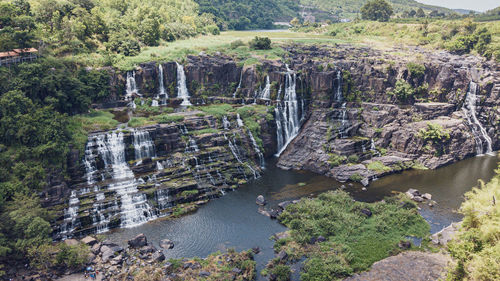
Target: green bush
336, 160
434, 133
403, 91
356, 177
353, 158
417, 71
73, 256
378, 167
260, 43
281, 272
237, 43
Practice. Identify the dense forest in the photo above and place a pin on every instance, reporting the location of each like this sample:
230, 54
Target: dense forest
244, 15
82, 26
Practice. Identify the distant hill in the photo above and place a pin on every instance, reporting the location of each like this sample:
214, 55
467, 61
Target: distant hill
491, 15
465, 11
351, 8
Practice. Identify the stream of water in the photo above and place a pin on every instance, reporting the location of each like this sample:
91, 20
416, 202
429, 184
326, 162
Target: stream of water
233, 221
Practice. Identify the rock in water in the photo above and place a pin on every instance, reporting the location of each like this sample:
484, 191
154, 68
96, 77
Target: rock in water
260, 200
366, 212
139, 241
405, 245
166, 244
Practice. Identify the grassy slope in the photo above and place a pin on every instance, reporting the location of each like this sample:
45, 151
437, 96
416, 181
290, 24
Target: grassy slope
477, 245
178, 50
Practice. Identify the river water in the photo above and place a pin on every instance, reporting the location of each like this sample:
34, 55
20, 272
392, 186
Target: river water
233, 221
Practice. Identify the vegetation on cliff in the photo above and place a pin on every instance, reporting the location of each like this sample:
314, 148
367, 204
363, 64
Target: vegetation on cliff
340, 236
35, 136
476, 247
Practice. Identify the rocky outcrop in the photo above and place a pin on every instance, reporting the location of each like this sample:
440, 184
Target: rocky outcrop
342, 137
411, 266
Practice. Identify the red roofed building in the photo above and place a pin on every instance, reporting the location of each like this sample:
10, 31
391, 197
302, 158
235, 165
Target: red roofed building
18, 56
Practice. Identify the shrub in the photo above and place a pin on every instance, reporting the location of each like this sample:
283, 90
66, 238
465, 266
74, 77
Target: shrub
237, 43
260, 43
73, 256
356, 177
336, 160
353, 158
281, 272
434, 133
403, 91
378, 167
417, 71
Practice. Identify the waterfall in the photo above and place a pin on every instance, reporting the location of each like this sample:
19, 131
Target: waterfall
236, 154
182, 91
163, 198
266, 92
191, 146
70, 214
278, 96
239, 84
131, 85
134, 207
159, 166
344, 123
478, 131
239, 121
257, 150
287, 113
338, 93
226, 123
89, 162
162, 94
143, 145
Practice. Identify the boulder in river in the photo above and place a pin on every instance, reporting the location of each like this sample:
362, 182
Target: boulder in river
366, 212
427, 196
260, 200
138, 242
282, 255
284, 204
405, 245
166, 244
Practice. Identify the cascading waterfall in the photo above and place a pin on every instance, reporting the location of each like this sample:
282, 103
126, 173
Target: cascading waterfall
338, 93
182, 91
287, 113
191, 146
239, 84
134, 208
278, 96
143, 145
131, 85
162, 96
239, 121
257, 150
339, 98
236, 154
70, 214
266, 92
478, 131
225, 123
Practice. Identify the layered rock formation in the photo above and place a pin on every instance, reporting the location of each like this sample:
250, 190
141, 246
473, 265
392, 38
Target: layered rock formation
351, 113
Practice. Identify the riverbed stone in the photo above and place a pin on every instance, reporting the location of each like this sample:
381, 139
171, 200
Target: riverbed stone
89, 240
282, 255
166, 244
139, 241
261, 200
427, 196
366, 212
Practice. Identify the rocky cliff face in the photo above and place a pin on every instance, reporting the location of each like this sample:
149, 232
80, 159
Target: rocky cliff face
369, 124
351, 113
130, 176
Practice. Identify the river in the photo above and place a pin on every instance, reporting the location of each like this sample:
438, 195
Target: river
233, 221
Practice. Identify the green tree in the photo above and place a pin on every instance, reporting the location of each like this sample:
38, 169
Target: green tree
379, 10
